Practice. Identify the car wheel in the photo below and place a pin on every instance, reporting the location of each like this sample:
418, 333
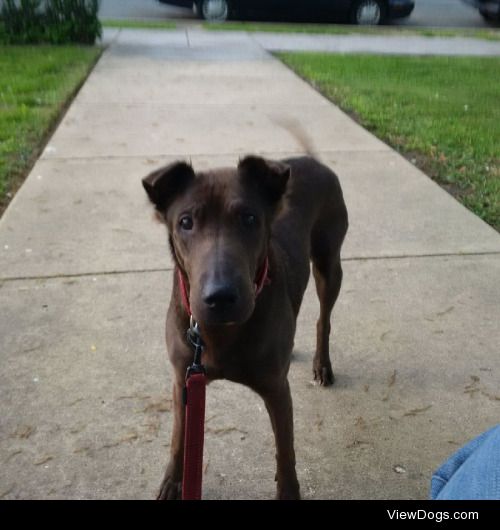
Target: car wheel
214, 10
490, 18
368, 12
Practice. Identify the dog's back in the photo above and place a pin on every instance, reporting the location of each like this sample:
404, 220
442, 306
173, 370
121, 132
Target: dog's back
312, 223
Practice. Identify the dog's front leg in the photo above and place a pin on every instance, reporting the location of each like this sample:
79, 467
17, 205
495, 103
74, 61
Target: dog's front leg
172, 482
279, 405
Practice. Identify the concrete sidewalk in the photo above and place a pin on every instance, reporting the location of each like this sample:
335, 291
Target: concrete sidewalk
379, 44
85, 279
352, 43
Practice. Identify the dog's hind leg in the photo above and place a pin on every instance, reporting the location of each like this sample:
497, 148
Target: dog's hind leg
327, 271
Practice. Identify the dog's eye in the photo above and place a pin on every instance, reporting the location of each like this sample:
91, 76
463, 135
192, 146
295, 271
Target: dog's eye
186, 222
248, 219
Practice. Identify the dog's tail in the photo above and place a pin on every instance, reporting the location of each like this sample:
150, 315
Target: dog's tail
295, 129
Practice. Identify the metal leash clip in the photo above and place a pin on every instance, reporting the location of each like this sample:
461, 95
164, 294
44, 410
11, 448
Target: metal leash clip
193, 335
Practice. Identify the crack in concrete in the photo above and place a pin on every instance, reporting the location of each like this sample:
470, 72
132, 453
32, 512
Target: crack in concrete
269, 154
84, 274
170, 269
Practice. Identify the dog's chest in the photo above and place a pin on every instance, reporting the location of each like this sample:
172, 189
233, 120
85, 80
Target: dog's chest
232, 364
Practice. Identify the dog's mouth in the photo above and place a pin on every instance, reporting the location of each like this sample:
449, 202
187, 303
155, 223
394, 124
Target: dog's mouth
222, 303
223, 316
224, 298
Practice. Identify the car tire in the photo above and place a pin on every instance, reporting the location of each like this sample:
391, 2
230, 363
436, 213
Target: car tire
491, 19
368, 12
213, 10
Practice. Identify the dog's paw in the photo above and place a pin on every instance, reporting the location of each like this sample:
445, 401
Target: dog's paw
288, 493
323, 374
170, 490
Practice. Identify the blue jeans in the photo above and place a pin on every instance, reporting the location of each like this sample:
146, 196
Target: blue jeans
473, 472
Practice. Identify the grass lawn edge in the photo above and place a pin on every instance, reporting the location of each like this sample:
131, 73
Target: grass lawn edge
488, 34
417, 158
118, 23
18, 177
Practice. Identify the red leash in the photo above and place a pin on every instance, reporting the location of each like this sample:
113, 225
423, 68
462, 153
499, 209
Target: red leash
193, 441
194, 396
194, 401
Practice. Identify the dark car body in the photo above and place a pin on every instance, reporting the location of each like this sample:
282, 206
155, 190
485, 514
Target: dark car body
305, 9
490, 9
179, 3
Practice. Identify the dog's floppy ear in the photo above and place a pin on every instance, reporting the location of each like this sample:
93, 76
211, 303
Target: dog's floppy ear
165, 183
271, 176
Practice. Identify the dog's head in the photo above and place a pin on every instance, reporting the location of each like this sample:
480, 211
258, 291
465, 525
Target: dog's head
219, 228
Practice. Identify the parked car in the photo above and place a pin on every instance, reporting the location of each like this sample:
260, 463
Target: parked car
489, 9
356, 11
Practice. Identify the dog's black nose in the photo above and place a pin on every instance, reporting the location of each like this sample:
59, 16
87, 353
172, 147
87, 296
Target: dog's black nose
220, 297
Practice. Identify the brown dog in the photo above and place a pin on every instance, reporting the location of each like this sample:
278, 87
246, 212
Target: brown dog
224, 226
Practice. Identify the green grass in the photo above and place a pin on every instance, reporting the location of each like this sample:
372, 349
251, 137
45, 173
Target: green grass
442, 112
36, 83
340, 29
270, 27
138, 24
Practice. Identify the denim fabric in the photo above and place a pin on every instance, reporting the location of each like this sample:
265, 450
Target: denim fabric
473, 472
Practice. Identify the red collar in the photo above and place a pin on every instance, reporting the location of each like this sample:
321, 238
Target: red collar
261, 279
